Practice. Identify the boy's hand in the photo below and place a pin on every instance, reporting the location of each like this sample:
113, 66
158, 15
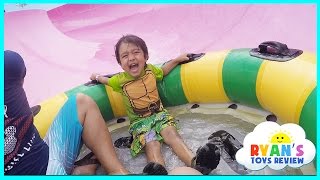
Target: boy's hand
167, 67
93, 76
99, 78
181, 58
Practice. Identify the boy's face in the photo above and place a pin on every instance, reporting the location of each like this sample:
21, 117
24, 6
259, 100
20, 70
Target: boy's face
132, 59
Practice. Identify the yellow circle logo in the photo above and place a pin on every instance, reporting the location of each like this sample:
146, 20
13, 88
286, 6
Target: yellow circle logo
281, 137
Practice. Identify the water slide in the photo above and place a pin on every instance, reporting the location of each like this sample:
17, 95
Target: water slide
63, 46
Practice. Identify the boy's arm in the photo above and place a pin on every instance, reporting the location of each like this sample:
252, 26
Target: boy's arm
166, 68
99, 78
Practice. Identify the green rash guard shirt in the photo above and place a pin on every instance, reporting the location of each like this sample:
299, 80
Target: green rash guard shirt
140, 95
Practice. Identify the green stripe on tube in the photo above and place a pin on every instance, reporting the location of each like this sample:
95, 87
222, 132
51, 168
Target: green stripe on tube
99, 95
239, 75
170, 89
308, 117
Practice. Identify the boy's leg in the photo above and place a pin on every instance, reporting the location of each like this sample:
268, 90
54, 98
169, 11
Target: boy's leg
207, 157
155, 160
96, 135
174, 140
153, 152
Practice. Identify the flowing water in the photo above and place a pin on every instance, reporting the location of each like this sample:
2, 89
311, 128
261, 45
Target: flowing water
195, 128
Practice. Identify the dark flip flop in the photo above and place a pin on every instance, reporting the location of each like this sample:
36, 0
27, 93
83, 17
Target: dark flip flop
229, 146
153, 168
87, 160
95, 82
193, 57
275, 51
207, 158
123, 142
230, 143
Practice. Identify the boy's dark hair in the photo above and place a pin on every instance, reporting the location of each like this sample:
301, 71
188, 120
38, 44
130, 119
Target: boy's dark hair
134, 40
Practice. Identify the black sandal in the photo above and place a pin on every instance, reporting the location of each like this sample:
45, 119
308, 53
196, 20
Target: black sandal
153, 168
228, 146
123, 142
207, 158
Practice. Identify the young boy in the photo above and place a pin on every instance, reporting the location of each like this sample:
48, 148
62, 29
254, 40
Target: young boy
150, 123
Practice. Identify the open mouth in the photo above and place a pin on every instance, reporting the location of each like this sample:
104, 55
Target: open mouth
133, 67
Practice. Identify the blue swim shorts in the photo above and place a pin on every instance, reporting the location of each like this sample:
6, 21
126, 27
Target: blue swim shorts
64, 139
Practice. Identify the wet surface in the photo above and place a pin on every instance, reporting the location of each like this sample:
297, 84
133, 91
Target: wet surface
195, 128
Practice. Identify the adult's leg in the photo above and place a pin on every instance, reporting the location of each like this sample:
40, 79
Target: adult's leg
174, 140
96, 135
85, 170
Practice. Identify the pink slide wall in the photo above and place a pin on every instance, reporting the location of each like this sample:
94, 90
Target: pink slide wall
63, 46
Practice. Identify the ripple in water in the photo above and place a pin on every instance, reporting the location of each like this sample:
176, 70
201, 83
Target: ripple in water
194, 128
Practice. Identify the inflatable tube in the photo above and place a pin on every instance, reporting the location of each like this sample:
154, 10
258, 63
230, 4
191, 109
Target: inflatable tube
287, 89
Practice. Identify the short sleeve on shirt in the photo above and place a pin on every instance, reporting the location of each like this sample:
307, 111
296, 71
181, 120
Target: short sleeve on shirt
157, 71
114, 83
